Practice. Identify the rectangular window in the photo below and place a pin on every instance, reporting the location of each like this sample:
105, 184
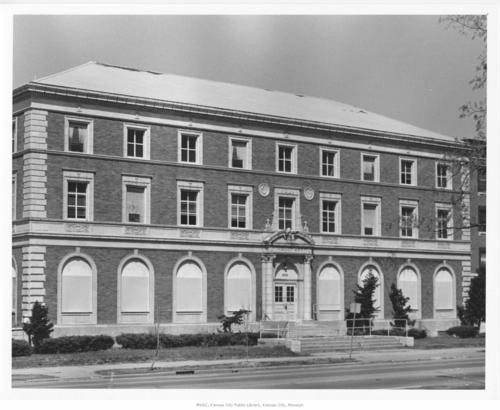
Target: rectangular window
14, 195
190, 147
290, 294
238, 211
409, 219
190, 203
14, 134
135, 198
443, 222
78, 136
328, 216
286, 159
329, 163
189, 207
370, 217
285, 213
443, 176
278, 293
369, 168
77, 200
408, 172
78, 192
482, 219
481, 179
239, 153
135, 143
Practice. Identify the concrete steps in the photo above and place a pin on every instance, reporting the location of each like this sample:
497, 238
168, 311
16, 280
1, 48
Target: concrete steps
324, 329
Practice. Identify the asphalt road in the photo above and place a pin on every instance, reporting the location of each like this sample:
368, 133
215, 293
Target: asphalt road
459, 373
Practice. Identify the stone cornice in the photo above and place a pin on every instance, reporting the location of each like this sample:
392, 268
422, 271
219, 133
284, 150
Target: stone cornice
191, 109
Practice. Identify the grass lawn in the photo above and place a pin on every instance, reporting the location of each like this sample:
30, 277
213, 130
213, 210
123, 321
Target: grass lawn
143, 355
444, 341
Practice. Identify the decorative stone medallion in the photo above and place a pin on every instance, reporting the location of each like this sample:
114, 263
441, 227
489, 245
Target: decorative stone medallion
264, 189
308, 192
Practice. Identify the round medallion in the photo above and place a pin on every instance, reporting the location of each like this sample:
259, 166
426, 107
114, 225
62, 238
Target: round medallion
264, 189
308, 192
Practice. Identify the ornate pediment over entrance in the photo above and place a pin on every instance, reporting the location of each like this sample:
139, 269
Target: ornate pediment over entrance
287, 238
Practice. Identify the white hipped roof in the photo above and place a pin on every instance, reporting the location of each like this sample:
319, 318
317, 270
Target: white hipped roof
105, 78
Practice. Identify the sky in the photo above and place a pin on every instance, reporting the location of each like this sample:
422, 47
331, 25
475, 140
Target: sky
410, 68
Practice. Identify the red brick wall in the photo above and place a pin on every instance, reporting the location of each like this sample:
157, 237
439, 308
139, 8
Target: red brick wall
108, 259
390, 268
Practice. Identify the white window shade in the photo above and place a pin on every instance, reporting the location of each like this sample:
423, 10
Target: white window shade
370, 219
368, 166
239, 154
443, 288
329, 289
239, 288
135, 287
135, 204
76, 287
189, 288
408, 283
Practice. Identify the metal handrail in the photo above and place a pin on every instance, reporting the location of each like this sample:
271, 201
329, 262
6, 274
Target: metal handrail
281, 332
370, 327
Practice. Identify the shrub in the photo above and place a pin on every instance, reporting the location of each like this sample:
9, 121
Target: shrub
417, 333
38, 326
462, 331
236, 318
137, 340
148, 340
400, 307
392, 332
74, 344
20, 348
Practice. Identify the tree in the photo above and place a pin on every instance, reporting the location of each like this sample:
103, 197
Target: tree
474, 26
475, 307
38, 327
236, 318
363, 294
400, 307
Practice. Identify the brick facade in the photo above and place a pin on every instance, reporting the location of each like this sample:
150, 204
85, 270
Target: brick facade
43, 238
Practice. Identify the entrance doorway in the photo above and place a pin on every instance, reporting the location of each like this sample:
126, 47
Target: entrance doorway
285, 296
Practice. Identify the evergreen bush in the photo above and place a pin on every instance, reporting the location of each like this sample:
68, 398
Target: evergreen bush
417, 333
38, 327
74, 344
148, 340
400, 307
463, 331
20, 348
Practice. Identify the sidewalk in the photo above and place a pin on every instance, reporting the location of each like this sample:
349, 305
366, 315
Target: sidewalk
372, 356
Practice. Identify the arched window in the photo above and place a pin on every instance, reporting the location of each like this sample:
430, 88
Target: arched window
444, 291
76, 287
408, 283
189, 288
329, 297
135, 288
378, 300
239, 288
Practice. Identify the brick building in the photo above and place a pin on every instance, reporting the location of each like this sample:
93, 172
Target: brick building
142, 196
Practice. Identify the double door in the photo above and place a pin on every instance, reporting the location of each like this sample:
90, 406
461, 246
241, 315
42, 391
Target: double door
285, 301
